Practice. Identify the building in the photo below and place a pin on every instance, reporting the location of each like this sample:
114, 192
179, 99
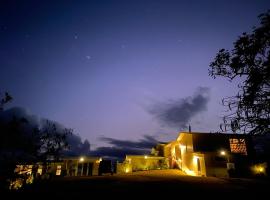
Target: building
81, 166
199, 154
66, 166
210, 154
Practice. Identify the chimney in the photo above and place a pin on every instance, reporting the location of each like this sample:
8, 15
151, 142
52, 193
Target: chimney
189, 128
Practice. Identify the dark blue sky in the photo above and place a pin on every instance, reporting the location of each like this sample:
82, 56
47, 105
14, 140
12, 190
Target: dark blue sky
120, 69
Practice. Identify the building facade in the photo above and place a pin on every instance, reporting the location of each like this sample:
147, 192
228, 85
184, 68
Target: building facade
210, 154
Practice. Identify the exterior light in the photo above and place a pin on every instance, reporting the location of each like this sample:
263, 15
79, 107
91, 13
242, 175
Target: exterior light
261, 169
145, 157
223, 153
81, 159
189, 172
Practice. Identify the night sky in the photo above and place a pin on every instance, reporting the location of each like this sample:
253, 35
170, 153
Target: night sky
121, 69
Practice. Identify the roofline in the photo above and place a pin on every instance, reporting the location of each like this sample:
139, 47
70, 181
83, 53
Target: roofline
212, 133
148, 156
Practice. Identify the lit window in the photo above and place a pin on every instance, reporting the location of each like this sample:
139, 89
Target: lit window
58, 170
39, 171
238, 146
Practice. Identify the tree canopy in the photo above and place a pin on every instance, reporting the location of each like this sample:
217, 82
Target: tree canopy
249, 63
24, 142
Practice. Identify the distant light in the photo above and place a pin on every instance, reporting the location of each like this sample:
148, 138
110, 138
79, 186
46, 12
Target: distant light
126, 170
81, 159
259, 169
145, 157
223, 153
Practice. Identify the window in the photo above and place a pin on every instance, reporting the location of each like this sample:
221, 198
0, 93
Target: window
238, 146
58, 170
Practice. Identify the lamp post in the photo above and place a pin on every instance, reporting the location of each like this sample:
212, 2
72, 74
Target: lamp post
230, 166
225, 154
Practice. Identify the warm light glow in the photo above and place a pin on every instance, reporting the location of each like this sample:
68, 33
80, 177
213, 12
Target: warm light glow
223, 153
39, 171
173, 151
195, 160
189, 172
126, 170
145, 157
238, 146
259, 169
58, 171
81, 159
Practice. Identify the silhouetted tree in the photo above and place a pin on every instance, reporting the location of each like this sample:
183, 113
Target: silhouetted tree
249, 63
4, 100
53, 140
23, 143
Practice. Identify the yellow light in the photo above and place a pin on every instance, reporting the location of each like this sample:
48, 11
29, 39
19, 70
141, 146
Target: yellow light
189, 172
126, 170
259, 168
145, 157
195, 160
81, 159
223, 153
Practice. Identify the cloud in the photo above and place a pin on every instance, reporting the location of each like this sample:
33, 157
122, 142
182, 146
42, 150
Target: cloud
146, 142
77, 146
178, 113
121, 148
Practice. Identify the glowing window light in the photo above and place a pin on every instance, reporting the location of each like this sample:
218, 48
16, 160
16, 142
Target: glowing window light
58, 171
126, 170
145, 157
39, 171
238, 146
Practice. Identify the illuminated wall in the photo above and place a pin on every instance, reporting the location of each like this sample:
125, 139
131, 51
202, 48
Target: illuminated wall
124, 168
140, 162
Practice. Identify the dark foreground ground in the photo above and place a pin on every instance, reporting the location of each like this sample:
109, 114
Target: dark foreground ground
155, 184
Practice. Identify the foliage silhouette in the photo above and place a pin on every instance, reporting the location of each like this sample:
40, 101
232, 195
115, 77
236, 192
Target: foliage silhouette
249, 63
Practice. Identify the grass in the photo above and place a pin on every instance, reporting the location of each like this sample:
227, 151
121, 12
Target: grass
156, 183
